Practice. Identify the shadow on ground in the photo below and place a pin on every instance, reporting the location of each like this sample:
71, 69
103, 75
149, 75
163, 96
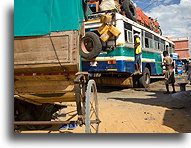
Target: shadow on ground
178, 118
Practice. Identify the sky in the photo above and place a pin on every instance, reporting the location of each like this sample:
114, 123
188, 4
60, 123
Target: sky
174, 16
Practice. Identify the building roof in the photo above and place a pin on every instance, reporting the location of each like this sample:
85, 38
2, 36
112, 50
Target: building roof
179, 38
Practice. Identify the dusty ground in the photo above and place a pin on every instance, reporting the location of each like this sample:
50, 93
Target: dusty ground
136, 110
141, 111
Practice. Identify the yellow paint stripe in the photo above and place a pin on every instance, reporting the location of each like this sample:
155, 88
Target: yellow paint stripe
97, 20
129, 59
112, 70
148, 61
100, 60
120, 43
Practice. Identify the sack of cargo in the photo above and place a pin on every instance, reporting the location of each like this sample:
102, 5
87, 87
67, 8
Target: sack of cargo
106, 36
103, 28
106, 18
107, 5
114, 31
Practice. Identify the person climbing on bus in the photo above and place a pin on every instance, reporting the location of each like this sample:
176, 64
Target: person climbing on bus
138, 53
169, 73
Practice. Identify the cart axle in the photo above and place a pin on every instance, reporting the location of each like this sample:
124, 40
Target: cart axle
51, 122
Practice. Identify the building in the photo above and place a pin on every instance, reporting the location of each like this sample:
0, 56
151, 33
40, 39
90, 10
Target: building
182, 47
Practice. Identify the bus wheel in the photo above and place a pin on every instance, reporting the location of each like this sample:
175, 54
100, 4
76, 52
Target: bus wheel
144, 80
90, 46
130, 10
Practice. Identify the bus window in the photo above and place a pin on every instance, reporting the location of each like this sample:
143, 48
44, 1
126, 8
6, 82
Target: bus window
167, 48
159, 46
162, 47
157, 42
148, 35
170, 48
173, 49
156, 38
130, 36
156, 45
126, 37
128, 26
150, 43
128, 32
148, 40
146, 43
162, 41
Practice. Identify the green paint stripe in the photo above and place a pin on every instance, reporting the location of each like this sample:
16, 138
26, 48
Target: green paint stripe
129, 52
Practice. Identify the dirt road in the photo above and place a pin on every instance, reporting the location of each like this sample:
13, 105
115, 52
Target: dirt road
135, 110
141, 111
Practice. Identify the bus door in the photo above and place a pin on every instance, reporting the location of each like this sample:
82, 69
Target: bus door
137, 30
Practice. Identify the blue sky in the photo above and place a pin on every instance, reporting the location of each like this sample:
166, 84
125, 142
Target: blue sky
147, 5
174, 16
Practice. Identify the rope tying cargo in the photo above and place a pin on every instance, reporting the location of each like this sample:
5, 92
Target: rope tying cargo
63, 68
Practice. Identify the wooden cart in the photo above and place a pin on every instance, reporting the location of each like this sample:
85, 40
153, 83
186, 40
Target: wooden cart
46, 75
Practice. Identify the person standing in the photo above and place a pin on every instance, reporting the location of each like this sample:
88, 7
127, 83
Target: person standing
189, 72
138, 53
169, 73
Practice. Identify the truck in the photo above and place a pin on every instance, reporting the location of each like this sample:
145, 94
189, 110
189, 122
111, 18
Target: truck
47, 36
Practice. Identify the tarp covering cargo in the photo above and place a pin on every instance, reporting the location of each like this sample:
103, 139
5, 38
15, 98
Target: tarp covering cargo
41, 17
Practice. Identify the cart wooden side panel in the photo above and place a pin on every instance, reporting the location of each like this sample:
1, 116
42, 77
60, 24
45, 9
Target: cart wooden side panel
56, 52
45, 67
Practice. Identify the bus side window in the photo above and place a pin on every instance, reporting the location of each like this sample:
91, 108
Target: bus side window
151, 43
148, 37
173, 49
126, 37
156, 45
162, 47
146, 43
130, 36
167, 49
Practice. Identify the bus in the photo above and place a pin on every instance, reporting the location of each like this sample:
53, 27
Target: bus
115, 64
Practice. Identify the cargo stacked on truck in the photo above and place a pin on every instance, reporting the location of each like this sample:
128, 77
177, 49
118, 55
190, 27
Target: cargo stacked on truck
47, 36
110, 54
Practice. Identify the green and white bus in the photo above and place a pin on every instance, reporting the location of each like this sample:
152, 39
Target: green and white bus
115, 65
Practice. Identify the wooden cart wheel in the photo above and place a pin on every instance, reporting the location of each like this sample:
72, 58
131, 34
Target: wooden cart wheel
91, 108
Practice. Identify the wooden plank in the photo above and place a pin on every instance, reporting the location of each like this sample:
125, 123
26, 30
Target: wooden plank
27, 100
47, 68
40, 50
45, 77
67, 97
41, 57
43, 86
47, 51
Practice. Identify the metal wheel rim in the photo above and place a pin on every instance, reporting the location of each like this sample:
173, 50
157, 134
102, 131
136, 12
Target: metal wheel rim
147, 79
87, 45
91, 108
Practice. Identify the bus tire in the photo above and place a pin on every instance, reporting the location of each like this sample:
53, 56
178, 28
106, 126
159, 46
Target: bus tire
144, 80
130, 10
90, 46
